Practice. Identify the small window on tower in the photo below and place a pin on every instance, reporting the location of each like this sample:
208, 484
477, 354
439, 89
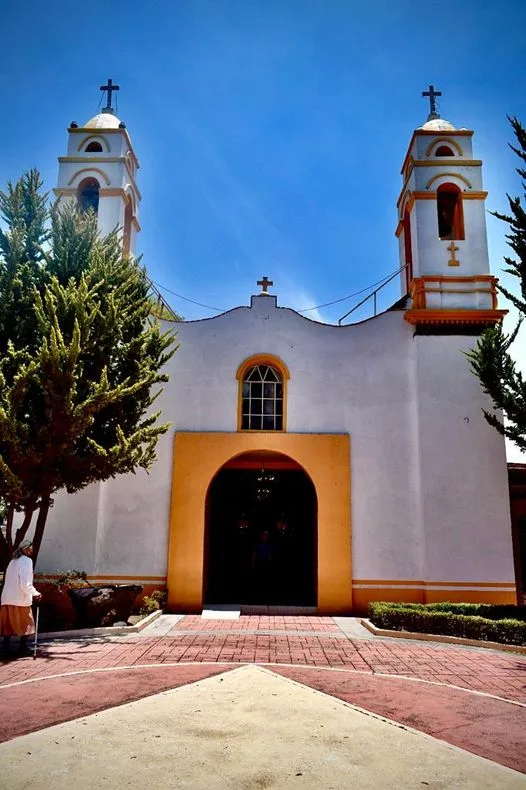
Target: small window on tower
450, 214
88, 195
94, 147
444, 150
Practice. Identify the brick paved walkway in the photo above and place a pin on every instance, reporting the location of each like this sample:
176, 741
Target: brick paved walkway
256, 623
500, 674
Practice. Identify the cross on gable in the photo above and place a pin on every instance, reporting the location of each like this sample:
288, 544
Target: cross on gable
265, 283
432, 93
109, 89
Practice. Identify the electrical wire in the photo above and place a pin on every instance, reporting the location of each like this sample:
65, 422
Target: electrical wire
303, 310
350, 296
185, 298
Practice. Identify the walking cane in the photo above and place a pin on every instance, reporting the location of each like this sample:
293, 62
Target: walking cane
36, 632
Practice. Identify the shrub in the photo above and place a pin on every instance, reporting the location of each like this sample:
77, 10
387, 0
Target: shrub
468, 621
150, 603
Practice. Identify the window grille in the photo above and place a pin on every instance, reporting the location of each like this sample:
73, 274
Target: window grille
262, 399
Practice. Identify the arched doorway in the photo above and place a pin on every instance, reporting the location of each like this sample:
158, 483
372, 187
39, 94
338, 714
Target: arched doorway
261, 533
197, 459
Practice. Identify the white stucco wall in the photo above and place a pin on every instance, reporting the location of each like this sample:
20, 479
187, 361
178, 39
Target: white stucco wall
429, 490
464, 483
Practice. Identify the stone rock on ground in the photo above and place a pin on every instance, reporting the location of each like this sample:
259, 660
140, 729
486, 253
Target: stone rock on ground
57, 612
102, 606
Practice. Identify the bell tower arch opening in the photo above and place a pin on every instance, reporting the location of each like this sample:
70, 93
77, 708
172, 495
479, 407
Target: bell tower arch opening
261, 533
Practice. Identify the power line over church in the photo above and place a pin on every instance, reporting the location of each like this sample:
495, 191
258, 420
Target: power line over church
313, 465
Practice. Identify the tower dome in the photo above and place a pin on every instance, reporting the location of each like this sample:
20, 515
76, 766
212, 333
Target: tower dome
437, 125
103, 120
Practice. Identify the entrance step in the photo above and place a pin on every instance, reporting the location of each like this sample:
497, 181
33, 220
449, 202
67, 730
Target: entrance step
221, 612
291, 611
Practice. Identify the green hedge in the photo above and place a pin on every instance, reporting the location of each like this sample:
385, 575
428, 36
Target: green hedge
469, 621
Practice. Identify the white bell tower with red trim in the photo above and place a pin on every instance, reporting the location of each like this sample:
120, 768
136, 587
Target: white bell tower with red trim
442, 228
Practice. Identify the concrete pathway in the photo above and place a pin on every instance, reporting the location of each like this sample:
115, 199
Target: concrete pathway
243, 730
471, 698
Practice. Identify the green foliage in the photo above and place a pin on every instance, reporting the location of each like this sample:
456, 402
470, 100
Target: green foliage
72, 579
151, 603
488, 623
491, 360
80, 357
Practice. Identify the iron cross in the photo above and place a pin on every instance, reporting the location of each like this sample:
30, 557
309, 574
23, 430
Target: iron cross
432, 93
265, 282
109, 88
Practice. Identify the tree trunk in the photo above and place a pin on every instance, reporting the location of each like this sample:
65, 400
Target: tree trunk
23, 528
41, 523
6, 543
9, 525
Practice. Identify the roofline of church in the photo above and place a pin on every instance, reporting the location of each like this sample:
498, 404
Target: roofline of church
393, 308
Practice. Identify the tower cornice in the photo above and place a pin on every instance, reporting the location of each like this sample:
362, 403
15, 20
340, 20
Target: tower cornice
433, 133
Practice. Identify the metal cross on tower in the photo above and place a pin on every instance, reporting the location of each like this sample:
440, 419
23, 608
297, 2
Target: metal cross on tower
265, 282
432, 93
109, 88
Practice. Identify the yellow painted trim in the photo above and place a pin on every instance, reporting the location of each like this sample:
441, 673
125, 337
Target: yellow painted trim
94, 158
448, 141
450, 133
449, 175
364, 592
442, 161
89, 170
421, 583
261, 359
423, 316
471, 596
197, 459
425, 195
432, 195
112, 192
93, 138
418, 287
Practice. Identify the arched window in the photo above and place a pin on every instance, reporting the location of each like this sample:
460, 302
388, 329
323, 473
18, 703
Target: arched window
449, 211
88, 195
444, 150
94, 147
262, 399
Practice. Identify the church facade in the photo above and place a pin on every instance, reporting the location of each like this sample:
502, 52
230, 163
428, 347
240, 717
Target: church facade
308, 464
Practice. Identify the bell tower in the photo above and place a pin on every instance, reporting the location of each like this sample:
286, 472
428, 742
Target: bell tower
99, 172
442, 229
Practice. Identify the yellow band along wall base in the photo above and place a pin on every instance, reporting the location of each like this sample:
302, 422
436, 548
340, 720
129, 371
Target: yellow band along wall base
366, 591
197, 459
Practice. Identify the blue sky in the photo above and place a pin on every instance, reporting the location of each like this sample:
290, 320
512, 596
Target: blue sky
270, 133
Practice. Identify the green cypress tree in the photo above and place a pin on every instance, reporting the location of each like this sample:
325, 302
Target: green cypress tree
76, 385
491, 360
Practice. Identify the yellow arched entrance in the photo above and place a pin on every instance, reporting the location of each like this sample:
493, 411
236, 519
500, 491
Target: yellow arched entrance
198, 457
